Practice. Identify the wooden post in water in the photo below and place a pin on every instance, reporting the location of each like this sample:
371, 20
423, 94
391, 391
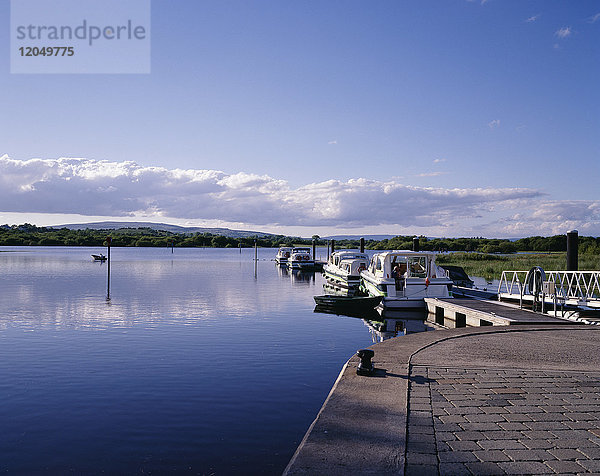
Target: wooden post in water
362, 245
108, 242
255, 257
314, 250
572, 250
332, 246
416, 243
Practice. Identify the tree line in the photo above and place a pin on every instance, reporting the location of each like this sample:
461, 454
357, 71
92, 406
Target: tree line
31, 235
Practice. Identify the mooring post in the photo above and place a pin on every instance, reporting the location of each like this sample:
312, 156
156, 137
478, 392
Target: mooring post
416, 243
255, 257
314, 249
572, 250
362, 245
332, 246
108, 242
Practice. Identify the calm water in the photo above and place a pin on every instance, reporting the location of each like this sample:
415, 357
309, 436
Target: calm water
194, 365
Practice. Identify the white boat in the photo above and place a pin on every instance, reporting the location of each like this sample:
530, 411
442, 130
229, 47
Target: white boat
343, 269
404, 278
301, 258
283, 254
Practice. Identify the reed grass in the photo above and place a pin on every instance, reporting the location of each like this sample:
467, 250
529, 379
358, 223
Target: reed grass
490, 266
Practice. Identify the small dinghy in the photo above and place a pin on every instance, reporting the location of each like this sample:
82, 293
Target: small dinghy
99, 257
347, 302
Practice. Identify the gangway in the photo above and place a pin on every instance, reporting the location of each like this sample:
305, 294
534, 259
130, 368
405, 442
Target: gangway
569, 290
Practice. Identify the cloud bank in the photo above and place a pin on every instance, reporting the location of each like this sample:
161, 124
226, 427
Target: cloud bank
126, 189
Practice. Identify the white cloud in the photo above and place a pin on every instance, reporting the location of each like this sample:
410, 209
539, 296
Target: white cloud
332, 142
439, 161
532, 18
553, 218
563, 32
432, 174
89, 187
493, 124
594, 18
93, 188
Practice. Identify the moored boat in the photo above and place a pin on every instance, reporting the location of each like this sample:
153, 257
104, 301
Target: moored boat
301, 258
351, 302
404, 278
99, 257
343, 270
283, 255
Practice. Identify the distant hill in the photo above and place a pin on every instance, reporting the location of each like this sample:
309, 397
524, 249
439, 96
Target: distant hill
358, 237
115, 225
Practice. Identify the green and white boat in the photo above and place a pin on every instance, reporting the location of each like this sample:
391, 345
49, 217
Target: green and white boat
404, 278
301, 258
343, 269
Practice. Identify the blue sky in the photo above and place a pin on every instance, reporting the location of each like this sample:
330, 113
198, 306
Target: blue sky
443, 118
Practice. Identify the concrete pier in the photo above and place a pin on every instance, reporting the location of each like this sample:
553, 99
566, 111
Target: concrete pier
457, 312
487, 400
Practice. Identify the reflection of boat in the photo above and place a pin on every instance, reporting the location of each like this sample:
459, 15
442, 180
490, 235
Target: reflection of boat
301, 258
302, 276
370, 314
354, 303
387, 328
99, 257
343, 269
404, 278
283, 254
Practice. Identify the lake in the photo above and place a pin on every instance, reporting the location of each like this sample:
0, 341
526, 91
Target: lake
199, 363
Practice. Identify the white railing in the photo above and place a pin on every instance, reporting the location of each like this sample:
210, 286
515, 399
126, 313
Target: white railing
562, 285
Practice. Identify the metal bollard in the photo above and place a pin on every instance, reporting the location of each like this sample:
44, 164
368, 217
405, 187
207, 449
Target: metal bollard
366, 366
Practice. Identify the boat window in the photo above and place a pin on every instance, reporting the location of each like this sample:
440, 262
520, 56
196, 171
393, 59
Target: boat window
417, 267
378, 265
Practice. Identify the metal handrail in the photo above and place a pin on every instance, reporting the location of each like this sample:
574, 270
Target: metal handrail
580, 285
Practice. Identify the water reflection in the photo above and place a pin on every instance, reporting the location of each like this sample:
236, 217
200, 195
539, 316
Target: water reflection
386, 326
193, 366
43, 287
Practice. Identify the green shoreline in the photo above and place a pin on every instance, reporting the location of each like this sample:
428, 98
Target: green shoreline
478, 256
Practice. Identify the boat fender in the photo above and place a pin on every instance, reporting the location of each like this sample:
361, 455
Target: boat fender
426, 282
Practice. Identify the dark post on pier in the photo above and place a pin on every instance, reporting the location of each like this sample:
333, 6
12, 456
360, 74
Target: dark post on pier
332, 246
416, 243
108, 243
314, 249
572, 250
362, 245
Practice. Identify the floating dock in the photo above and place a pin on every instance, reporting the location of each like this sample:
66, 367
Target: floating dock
457, 312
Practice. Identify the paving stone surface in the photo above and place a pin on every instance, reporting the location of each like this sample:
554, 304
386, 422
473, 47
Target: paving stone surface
502, 421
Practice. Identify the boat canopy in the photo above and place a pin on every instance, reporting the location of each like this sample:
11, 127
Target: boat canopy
415, 264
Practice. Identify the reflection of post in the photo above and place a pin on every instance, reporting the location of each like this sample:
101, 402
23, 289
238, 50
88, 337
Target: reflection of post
108, 242
255, 257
